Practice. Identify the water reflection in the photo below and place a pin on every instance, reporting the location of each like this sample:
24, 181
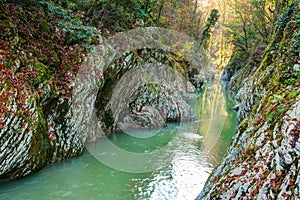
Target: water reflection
182, 178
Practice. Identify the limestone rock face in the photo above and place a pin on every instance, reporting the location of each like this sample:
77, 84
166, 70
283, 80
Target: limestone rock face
118, 87
262, 164
263, 159
144, 94
36, 125
132, 81
24, 141
64, 140
139, 104
31, 138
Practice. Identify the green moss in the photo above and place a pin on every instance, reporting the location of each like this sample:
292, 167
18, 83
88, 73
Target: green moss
44, 26
243, 125
43, 73
40, 151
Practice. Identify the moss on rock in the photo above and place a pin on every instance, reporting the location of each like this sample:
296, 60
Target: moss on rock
262, 162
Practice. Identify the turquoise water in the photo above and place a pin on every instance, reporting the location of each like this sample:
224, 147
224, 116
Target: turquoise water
187, 153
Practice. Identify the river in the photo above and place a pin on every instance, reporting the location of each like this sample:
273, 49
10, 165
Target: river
196, 148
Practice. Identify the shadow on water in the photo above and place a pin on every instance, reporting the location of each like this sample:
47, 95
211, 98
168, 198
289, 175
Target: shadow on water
197, 147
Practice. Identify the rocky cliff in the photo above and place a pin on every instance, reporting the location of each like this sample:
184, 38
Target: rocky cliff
52, 103
263, 159
37, 66
138, 79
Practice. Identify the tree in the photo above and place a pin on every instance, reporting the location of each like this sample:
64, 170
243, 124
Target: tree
252, 24
211, 22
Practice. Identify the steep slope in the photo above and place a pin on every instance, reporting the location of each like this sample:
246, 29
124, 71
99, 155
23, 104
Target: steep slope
42, 48
36, 69
263, 159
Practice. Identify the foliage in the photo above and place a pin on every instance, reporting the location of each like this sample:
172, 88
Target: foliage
253, 23
211, 21
115, 15
72, 25
34, 56
275, 88
43, 42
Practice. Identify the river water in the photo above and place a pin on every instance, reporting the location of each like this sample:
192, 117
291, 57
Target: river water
193, 150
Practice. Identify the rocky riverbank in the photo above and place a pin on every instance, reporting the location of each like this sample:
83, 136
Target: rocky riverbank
37, 66
263, 159
54, 97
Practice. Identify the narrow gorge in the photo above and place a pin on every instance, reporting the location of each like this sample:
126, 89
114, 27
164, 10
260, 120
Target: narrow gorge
149, 99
